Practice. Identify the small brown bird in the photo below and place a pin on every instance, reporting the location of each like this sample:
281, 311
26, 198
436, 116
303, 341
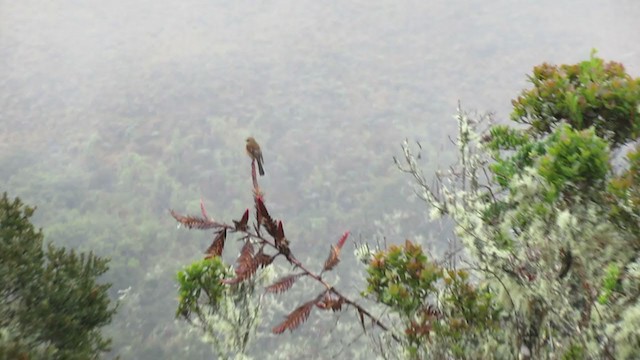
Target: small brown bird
253, 149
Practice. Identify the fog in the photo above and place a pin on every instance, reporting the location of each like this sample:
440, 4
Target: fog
112, 112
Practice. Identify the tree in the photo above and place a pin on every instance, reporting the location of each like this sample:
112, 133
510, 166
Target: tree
548, 229
592, 93
51, 304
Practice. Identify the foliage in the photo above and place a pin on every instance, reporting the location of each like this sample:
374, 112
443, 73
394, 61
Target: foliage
624, 196
402, 277
550, 231
51, 305
592, 93
221, 299
569, 160
435, 303
523, 152
201, 276
609, 283
579, 158
225, 314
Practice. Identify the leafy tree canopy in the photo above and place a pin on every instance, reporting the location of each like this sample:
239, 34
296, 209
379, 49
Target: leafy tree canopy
549, 230
51, 304
592, 93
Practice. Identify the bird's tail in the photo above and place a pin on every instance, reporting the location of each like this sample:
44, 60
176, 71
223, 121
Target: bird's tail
260, 169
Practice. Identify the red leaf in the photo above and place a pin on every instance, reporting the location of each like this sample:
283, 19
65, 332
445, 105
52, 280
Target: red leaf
333, 258
263, 259
330, 302
245, 261
343, 239
216, 247
283, 284
334, 254
279, 237
294, 319
246, 265
193, 222
264, 218
242, 224
203, 210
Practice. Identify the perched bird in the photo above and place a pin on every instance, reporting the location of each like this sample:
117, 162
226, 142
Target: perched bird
253, 149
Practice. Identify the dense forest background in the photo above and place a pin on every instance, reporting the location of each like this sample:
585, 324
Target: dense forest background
114, 112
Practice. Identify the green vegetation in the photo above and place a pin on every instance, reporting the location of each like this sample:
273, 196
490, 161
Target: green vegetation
406, 281
227, 315
551, 235
51, 304
592, 93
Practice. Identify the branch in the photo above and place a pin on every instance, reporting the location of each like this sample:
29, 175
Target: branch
274, 238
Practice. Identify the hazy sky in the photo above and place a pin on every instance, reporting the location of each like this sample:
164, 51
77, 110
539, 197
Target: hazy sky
190, 57
312, 80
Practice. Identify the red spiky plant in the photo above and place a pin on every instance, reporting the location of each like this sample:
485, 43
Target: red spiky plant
268, 236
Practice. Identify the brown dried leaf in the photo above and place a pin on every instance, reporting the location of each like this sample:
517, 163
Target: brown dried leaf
241, 225
246, 265
246, 262
203, 210
279, 236
297, 317
263, 259
264, 218
330, 302
247, 249
334, 255
283, 284
216, 247
282, 244
194, 222
244, 270
333, 258
262, 210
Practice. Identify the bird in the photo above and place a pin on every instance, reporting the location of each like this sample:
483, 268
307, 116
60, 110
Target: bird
253, 149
